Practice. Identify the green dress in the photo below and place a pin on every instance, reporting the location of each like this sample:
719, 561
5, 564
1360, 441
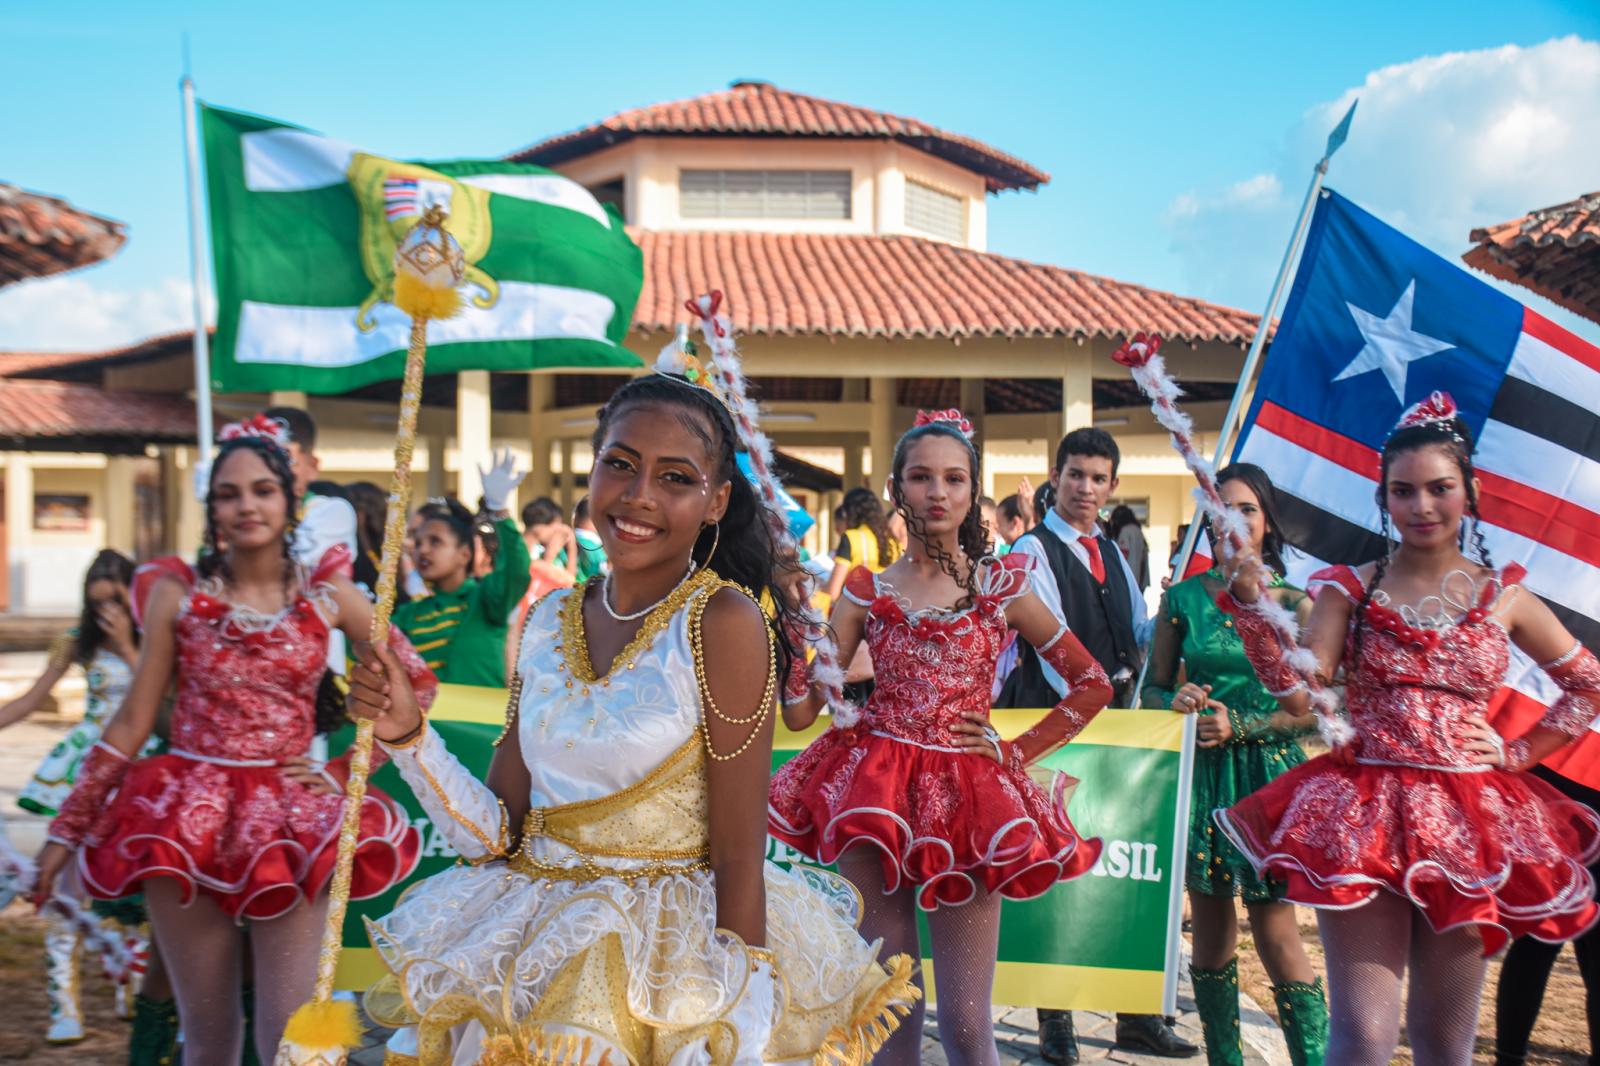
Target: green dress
1194, 634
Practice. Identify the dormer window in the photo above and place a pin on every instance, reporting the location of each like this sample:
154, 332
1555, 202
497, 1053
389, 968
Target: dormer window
934, 212
809, 194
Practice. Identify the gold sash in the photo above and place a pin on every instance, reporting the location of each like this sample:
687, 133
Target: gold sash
660, 821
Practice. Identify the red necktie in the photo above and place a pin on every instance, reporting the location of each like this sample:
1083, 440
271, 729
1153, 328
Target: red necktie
1097, 565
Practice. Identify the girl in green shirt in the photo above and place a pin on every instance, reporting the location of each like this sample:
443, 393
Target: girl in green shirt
461, 628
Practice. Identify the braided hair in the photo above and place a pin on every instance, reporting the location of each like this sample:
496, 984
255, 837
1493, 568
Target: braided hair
971, 535
1454, 437
745, 552
213, 562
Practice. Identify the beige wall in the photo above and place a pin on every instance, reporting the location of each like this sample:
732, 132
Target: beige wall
649, 168
46, 566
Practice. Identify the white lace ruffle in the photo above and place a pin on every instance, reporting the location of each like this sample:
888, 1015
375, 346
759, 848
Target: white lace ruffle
466, 930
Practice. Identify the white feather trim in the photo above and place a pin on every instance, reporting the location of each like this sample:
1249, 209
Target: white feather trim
1335, 729
1303, 661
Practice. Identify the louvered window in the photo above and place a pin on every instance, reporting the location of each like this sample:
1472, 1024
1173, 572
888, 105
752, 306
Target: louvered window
764, 193
935, 212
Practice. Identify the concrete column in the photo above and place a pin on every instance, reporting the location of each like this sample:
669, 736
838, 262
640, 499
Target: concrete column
1077, 389
853, 476
438, 485
19, 528
541, 434
972, 405
185, 515
880, 431
472, 433
118, 494
569, 479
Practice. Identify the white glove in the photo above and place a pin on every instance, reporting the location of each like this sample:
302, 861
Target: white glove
500, 480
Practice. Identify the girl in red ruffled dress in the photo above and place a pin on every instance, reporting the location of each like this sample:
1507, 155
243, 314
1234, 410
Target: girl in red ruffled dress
920, 803
1418, 836
230, 825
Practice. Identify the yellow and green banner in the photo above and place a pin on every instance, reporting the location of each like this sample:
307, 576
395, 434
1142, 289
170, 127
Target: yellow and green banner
1107, 941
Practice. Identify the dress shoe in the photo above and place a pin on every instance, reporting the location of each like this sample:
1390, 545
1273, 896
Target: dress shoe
1058, 1043
1151, 1033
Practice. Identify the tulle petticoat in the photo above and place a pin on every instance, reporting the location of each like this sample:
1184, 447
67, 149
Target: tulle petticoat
943, 820
247, 836
1503, 852
478, 952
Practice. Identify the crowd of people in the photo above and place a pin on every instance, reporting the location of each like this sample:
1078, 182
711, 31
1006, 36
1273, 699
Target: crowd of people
614, 882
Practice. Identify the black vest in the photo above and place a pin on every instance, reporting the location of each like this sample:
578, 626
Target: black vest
1099, 615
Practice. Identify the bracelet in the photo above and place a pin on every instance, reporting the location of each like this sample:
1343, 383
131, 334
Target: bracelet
409, 740
1237, 725
1518, 755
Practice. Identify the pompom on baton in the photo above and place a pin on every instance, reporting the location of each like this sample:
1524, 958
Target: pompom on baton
429, 268
1142, 356
718, 333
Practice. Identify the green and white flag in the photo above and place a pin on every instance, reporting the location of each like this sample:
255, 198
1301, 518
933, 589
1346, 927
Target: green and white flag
303, 229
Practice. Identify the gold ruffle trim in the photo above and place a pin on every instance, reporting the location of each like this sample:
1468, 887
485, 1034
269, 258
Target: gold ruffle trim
877, 1019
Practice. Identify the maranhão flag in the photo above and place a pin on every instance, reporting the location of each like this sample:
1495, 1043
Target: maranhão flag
303, 232
1376, 322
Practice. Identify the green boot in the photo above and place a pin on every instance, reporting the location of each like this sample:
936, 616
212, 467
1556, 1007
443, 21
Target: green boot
248, 995
1216, 996
154, 1040
1303, 1013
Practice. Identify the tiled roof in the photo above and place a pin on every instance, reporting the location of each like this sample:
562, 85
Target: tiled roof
757, 109
41, 235
46, 410
863, 286
1554, 251
86, 366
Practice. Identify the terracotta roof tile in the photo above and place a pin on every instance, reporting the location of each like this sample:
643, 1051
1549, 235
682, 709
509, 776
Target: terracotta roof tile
1554, 251
41, 235
73, 365
758, 109
865, 286
34, 410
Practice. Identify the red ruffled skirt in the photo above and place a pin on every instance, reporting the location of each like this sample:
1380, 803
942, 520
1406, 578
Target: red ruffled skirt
1500, 851
942, 820
247, 836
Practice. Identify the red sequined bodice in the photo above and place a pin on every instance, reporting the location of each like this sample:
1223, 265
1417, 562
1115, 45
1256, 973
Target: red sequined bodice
1411, 690
247, 684
931, 665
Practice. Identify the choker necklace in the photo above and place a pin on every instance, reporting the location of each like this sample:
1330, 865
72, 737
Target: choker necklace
605, 597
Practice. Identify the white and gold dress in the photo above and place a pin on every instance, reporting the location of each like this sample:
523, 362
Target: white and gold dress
597, 934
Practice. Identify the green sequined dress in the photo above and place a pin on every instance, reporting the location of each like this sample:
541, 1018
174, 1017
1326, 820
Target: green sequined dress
1195, 641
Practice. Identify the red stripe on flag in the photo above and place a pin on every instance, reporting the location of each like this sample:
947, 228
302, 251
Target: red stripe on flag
1556, 523
1550, 520
1512, 713
1334, 447
1536, 325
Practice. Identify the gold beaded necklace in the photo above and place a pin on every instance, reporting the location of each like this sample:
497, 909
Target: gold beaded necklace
575, 645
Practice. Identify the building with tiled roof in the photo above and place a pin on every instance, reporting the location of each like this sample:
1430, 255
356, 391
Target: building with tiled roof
43, 235
852, 246
1554, 251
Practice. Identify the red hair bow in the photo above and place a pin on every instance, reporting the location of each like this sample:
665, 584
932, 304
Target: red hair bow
948, 417
272, 429
1438, 407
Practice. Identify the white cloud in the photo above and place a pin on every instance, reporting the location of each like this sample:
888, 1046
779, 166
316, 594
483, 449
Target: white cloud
1440, 145
71, 313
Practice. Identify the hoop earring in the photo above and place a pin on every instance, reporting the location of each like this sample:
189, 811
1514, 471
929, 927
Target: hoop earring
716, 539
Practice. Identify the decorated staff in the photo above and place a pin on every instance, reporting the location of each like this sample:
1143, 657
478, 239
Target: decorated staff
1141, 355
429, 268
718, 332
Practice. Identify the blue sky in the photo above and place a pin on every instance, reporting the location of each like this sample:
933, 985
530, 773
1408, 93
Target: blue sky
1179, 135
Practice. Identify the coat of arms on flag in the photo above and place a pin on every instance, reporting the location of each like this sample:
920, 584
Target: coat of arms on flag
1375, 323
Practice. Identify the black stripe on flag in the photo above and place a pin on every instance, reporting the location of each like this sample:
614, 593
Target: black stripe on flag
1544, 414
1338, 540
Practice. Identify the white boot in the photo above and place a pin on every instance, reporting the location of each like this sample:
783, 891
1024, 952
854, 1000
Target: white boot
62, 946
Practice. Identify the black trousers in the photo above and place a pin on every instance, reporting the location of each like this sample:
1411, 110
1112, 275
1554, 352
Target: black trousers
1527, 966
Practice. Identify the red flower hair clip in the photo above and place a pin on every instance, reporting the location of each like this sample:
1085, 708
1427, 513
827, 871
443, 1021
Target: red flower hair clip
270, 429
950, 416
1138, 350
1438, 407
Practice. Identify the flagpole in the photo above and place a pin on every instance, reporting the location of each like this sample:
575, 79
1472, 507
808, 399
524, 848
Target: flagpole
197, 250
1252, 359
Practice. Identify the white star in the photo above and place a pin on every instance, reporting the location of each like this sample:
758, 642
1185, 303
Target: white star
1392, 345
